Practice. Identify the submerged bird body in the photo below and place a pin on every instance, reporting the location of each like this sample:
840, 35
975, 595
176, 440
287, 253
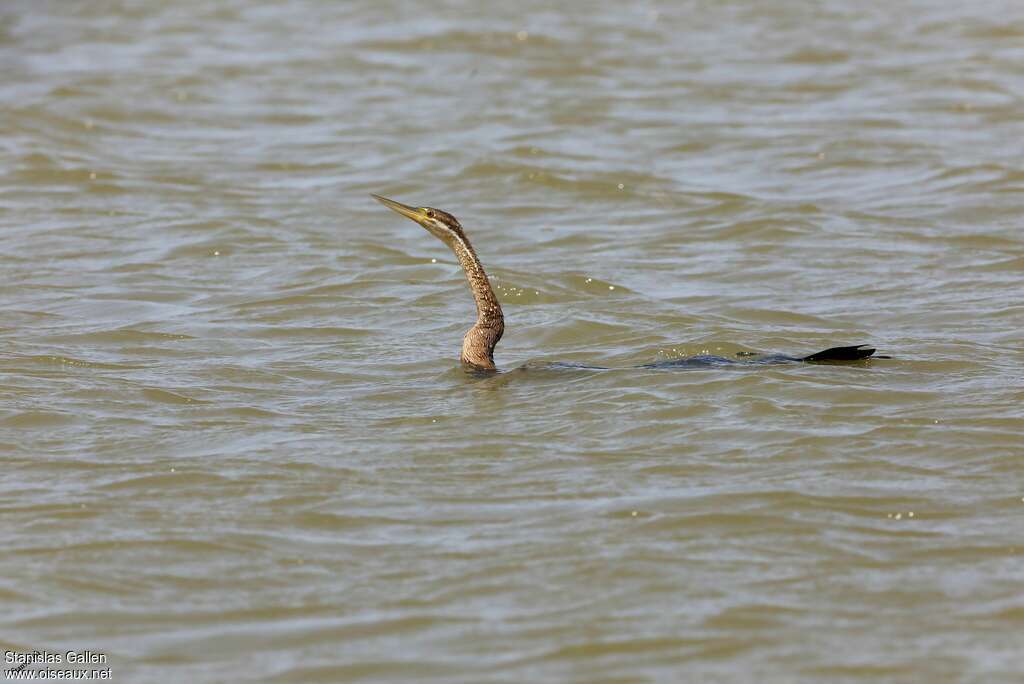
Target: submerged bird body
480, 340
832, 354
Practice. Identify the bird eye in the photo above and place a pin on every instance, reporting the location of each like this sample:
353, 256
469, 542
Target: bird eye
429, 212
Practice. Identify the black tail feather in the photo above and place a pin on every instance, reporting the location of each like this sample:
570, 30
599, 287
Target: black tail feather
860, 351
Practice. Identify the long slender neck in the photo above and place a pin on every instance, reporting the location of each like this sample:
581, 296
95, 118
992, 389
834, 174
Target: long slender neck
479, 342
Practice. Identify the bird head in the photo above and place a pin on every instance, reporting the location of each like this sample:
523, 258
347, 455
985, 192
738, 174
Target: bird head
440, 224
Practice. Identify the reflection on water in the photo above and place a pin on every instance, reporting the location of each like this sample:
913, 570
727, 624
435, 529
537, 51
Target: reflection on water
237, 444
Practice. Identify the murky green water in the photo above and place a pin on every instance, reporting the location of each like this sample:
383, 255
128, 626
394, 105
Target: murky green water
236, 443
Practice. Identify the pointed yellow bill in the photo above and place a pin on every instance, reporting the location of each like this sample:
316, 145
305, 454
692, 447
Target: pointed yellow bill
405, 210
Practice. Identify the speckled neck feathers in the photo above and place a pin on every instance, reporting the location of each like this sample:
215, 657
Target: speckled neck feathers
479, 342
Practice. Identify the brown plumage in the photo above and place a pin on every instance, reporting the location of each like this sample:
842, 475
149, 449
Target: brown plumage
480, 340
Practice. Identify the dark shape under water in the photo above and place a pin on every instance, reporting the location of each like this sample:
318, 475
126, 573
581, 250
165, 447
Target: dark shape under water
479, 343
830, 355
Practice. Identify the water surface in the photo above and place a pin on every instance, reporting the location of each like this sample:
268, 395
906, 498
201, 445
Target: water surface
235, 439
